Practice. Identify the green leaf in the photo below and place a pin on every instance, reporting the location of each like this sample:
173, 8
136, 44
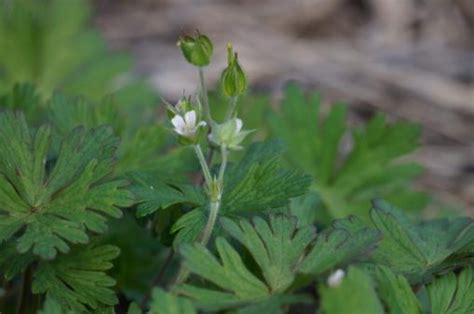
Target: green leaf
167, 303
396, 293
230, 274
22, 97
12, 263
345, 241
453, 294
69, 112
418, 251
46, 204
78, 280
53, 46
347, 182
276, 304
153, 194
51, 306
259, 181
134, 308
277, 247
356, 295
189, 227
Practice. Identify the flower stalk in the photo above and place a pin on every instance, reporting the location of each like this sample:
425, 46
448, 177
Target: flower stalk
226, 135
205, 98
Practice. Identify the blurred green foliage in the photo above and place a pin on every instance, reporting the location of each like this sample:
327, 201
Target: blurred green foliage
50, 43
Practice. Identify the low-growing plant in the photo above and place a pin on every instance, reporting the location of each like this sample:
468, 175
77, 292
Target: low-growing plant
186, 214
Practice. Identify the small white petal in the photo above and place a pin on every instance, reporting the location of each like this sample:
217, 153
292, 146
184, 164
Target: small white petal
190, 118
180, 131
202, 123
178, 122
238, 125
335, 279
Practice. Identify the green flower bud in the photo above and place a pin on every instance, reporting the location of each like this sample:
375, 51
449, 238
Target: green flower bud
182, 106
197, 50
234, 80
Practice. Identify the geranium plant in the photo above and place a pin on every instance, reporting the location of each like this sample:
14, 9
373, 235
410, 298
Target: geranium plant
188, 213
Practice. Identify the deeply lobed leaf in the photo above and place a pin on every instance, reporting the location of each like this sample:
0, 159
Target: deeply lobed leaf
419, 251
78, 280
347, 182
44, 205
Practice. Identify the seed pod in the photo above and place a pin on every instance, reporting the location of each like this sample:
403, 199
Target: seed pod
197, 50
234, 80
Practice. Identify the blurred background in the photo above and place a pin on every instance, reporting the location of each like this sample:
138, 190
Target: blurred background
411, 59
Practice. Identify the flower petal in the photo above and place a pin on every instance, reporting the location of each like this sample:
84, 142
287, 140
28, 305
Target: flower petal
190, 118
238, 125
178, 122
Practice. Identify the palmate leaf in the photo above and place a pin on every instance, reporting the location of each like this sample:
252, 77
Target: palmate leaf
239, 284
157, 148
12, 263
78, 280
347, 182
347, 240
355, 294
68, 112
152, 193
278, 248
419, 250
44, 205
453, 294
166, 303
259, 181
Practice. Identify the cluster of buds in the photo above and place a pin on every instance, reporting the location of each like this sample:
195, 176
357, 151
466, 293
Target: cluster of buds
187, 117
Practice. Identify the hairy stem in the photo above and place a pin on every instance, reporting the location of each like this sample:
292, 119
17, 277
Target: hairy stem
203, 163
231, 108
183, 272
211, 221
207, 110
223, 166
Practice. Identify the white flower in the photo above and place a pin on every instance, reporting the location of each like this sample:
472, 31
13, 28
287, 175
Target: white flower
186, 126
229, 133
335, 279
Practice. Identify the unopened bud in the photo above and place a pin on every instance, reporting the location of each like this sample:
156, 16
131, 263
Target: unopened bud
234, 80
197, 50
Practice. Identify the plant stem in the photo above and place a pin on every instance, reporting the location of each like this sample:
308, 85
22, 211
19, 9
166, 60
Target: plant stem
204, 166
231, 108
207, 110
223, 165
211, 221
183, 272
